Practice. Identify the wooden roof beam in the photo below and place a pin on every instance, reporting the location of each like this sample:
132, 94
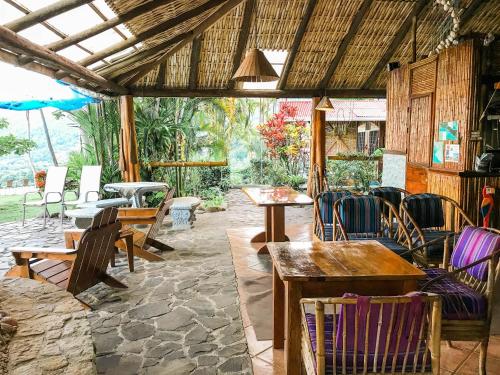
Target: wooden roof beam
346, 40
296, 43
44, 14
106, 25
242, 38
396, 42
237, 93
149, 33
18, 44
194, 62
208, 22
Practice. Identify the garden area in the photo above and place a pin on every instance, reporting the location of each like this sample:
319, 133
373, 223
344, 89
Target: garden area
233, 142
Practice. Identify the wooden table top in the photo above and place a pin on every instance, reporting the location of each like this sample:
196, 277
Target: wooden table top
339, 261
278, 196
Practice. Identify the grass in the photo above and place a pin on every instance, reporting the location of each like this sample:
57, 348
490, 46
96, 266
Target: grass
11, 208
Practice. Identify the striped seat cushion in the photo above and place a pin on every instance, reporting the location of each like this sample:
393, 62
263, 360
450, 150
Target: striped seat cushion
436, 250
460, 302
360, 214
327, 234
326, 201
414, 315
426, 209
389, 194
474, 244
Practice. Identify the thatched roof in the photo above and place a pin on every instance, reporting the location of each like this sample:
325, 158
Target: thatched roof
192, 47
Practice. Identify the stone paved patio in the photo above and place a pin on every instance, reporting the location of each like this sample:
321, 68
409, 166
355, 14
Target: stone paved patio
180, 316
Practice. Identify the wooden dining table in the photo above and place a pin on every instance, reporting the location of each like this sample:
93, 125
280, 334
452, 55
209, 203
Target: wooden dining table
329, 269
274, 200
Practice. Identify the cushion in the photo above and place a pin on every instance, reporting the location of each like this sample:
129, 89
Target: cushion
389, 194
411, 315
460, 302
474, 244
436, 250
326, 201
360, 214
426, 210
327, 232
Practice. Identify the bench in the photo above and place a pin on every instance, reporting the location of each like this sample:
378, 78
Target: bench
182, 211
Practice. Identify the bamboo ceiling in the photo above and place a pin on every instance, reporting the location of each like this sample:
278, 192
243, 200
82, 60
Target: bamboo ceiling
193, 47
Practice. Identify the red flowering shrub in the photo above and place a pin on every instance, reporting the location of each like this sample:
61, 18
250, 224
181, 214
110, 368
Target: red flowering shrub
285, 138
40, 179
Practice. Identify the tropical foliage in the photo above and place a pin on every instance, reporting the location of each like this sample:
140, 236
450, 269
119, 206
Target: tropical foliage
12, 144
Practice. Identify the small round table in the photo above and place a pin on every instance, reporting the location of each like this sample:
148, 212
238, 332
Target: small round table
135, 190
82, 217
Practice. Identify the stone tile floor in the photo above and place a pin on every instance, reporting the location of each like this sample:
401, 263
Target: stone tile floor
177, 317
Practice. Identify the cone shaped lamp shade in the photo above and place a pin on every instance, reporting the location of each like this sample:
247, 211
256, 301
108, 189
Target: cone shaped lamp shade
325, 104
255, 68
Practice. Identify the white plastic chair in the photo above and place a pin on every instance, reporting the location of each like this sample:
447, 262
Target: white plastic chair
53, 192
90, 183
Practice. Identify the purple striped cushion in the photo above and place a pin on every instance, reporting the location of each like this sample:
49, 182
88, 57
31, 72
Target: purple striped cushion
405, 313
460, 302
474, 244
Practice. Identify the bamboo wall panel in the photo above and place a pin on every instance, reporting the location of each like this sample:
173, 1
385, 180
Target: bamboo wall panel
397, 110
416, 179
447, 185
420, 130
455, 97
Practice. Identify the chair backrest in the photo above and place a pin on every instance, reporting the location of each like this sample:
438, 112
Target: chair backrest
360, 214
426, 209
325, 201
392, 194
160, 216
472, 245
94, 251
380, 334
54, 183
90, 183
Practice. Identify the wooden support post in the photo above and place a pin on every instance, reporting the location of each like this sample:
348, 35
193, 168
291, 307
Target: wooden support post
317, 145
129, 160
414, 39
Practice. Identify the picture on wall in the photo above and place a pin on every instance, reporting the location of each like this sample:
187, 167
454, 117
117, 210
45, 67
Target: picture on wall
452, 153
438, 152
448, 131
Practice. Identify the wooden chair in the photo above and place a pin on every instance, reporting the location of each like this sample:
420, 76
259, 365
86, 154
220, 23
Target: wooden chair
433, 220
371, 335
323, 212
361, 217
466, 284
73, 269
144, 240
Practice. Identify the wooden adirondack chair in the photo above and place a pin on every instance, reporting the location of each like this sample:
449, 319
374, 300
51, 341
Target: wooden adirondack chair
74, 269
144, 240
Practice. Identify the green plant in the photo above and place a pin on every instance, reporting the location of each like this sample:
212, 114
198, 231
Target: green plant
11, 144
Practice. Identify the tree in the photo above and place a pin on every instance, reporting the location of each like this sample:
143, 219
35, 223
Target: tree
47, 136
11, 144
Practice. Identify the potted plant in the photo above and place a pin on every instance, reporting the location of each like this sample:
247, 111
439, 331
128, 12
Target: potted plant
40, 177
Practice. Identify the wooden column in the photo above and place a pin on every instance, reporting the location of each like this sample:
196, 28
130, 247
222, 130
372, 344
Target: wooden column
317, 145
129, 160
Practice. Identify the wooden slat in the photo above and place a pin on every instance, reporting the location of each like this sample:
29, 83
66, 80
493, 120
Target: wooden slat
242, 38
149, 33
296, 43
353, 29
396, 41
160, 80
221, 12
44, 14
195, 59
204, 93
16, 43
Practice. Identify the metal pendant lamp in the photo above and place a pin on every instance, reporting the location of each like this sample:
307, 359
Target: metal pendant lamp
325, 104
255, 66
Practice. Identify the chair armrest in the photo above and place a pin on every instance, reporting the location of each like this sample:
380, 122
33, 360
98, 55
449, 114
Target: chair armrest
71, 236
71, 191
25, 195
130, 220
91, 191
424, 245
47, 193
137, 212
458, 270
43, 253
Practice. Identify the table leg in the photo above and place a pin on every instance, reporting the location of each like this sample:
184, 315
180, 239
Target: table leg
278, 224
264, 236
268, 235
293, 359
278, 311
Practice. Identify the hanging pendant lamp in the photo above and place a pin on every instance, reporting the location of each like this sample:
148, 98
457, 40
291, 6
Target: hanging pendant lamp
255, 66
325, 104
